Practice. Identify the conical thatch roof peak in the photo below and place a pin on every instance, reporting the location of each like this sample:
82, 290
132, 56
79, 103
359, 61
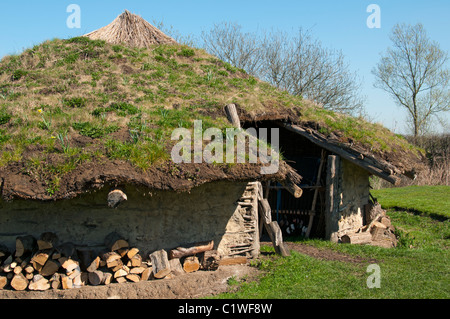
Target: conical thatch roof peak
132, 30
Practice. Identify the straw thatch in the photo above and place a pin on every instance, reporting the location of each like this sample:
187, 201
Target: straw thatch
132, 30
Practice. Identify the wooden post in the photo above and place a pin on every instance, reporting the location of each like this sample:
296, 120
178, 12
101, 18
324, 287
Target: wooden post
272, 227
232, 115
316, 191
332, 198
276, 236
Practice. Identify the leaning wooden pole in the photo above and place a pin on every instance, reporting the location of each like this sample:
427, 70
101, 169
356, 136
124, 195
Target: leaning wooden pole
272, 227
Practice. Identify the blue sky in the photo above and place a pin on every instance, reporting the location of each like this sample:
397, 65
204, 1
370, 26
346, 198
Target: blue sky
338, 24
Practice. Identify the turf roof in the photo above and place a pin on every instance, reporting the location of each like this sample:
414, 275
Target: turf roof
69, 103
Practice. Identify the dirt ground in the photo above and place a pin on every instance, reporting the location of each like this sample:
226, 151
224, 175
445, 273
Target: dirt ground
186, 286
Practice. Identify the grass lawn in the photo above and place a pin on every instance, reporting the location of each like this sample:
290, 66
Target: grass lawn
417, 269
430, 200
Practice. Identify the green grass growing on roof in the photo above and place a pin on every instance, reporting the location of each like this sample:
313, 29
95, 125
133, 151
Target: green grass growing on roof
96, 89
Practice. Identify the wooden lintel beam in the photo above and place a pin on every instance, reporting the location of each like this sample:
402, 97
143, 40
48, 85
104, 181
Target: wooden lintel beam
344, 154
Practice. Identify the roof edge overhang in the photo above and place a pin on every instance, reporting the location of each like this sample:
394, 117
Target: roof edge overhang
367, 162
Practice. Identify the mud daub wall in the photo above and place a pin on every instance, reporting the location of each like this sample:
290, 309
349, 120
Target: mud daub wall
148, 220
354, 194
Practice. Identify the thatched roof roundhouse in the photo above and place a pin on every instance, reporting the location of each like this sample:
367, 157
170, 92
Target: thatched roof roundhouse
131, 30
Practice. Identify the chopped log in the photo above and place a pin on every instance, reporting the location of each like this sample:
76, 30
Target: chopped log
17, 269
376, 225
19, 282
114, 241
121, 280
191, 264
3, 282
112, 259
107, 277
7, 265
77, 282
67, 249
375, 220
132, 252
241, 260
95, 264
191, 249
74, 273
133, 277
24, 261
69, 265
96, 277
39, 283
50, 268
120, 273
47, 240
29, 269
357, 238
56, 255
84, 278
55, 281
372, 211
122, 251
118, 266
24, 245
8, 261
146, 273
42, 257
210, 260
160, 264
86, 256
138, 270
386, 221
115, 197
29, 276
136, 261
66, 282
175, 266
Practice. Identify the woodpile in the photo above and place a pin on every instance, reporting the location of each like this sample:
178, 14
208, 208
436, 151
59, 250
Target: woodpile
378, 230
43, 263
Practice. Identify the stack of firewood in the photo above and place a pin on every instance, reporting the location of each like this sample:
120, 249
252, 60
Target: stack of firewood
43, 263
378, 230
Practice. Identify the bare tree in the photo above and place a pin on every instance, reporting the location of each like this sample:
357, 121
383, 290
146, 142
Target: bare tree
299, 64
229, 43
302, 66
413, 72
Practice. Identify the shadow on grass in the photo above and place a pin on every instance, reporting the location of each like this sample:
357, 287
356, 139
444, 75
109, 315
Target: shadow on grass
435, 216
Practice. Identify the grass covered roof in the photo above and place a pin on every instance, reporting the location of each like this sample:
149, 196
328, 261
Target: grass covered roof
77, 113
